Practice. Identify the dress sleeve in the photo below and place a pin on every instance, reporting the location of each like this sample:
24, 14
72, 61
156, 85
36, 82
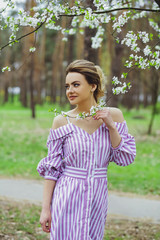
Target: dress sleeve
50, 167
125, 153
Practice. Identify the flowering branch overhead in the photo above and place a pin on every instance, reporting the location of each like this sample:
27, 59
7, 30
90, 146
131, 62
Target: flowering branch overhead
112, 10
23, 36
48, 13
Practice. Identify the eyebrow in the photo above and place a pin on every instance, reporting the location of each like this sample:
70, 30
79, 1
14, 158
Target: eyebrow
72, 83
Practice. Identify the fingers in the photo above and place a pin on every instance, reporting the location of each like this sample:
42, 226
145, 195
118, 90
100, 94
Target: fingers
46, 226
100, 115
45, 220
49, 225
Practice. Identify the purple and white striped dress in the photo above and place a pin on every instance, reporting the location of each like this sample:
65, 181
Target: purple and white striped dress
78, 161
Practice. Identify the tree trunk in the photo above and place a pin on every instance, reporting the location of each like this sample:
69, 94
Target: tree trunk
90, 53
6, 77
32, 68
42, 61
79, 45
32, 103
115, 55
57, 70
70, 55
155, 86
23, 71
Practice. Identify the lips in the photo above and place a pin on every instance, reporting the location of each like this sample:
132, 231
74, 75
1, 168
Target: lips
72, 97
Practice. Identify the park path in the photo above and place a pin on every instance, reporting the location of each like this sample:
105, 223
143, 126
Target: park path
120, 205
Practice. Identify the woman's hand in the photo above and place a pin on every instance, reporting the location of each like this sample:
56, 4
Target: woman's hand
105, 115
45, 220
109, 120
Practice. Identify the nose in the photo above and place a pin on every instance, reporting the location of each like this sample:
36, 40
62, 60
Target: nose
70, 89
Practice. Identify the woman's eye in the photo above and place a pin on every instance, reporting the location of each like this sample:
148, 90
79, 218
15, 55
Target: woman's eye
76, 85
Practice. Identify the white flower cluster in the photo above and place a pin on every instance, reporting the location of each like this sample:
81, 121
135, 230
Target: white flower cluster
123, 88
83, 115
141, 3
102, 4
147, 50
6, 69
152, 59
115, 81
96, 41
49, 13
131, 41
121, 21
144, 36
32, 49
139, 15
154, 25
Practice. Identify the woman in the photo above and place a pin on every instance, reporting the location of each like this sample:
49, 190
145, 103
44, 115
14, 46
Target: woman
75, 195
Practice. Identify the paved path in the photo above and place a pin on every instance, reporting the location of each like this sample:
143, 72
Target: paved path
130, 207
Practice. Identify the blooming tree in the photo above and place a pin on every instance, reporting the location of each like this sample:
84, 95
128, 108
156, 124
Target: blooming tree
118, 13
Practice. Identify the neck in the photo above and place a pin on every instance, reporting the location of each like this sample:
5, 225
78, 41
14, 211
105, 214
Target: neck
85, 106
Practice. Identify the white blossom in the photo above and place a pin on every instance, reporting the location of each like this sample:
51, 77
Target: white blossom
141, 3
123, 89
154, 25
115, 80
128, 64
97, 40
144, 36
32, 49
72, 31
49, 13
120, 21
147, 50
6, 69
65, 39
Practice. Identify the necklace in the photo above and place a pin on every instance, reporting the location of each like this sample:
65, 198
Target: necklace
83, 115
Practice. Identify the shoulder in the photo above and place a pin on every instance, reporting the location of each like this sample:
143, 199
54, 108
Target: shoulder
116, 114
59, 121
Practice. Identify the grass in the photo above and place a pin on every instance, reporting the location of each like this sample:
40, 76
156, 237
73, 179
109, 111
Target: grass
142, 176
23, 144
21, 221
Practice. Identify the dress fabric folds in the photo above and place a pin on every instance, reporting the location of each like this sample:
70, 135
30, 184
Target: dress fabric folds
78, 162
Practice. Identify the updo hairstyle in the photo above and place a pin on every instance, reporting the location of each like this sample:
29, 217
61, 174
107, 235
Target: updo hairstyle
92, 73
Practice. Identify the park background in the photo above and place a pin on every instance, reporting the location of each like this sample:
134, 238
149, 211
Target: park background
36, 84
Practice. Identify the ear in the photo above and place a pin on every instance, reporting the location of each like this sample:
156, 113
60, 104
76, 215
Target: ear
93, 87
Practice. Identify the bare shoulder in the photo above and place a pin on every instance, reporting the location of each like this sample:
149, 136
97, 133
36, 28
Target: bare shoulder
116, 114
59, 121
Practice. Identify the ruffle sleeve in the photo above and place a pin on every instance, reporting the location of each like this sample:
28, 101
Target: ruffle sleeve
50, 167
125, 153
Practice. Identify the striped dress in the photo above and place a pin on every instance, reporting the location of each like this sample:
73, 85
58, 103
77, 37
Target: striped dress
78, 161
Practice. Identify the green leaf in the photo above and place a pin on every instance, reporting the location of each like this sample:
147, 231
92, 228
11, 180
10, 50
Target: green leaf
125, 74
151, 36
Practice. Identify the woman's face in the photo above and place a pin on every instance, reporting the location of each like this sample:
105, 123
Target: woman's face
77, 88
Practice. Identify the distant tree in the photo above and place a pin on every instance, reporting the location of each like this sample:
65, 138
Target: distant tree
90, 17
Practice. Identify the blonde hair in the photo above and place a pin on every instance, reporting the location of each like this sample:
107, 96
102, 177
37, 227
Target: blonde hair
92, 73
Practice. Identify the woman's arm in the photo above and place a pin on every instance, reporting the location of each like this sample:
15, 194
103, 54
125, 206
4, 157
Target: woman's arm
45, 218
48, 168
123, 148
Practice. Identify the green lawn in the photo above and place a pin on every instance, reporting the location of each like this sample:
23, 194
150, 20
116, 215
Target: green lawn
23, 144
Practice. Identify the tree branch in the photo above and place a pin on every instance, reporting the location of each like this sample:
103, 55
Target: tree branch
73, 15
158, 2
17, 39
112, 10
